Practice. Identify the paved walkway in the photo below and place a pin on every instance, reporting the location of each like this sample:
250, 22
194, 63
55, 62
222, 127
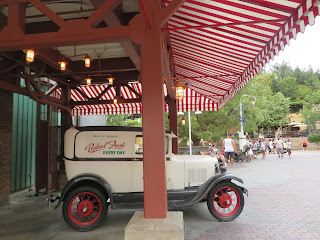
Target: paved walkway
283, 203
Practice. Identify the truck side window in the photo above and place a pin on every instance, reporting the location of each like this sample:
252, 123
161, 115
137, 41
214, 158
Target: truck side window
138, 146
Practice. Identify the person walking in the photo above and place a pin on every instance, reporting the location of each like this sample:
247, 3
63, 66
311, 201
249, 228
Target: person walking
279, 146
289, 147
304, 144
263, 148
255, 149
229, 149
270, 146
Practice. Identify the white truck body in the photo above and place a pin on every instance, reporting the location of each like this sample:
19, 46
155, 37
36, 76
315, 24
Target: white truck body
117, 157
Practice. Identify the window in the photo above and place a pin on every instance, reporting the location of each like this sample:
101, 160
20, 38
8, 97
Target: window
138, 146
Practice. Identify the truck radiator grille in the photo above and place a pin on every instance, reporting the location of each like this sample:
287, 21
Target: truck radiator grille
196, 176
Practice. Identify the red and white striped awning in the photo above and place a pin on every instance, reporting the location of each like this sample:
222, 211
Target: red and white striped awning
192, 101
219, 46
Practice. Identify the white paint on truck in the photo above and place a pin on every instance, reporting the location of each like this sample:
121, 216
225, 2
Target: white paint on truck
117, 157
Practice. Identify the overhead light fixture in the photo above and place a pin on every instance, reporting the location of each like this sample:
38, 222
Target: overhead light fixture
115, 100
87, 61
88, 80
183, 121
180, 114
179, 87
63, 65
110, 79
30, 54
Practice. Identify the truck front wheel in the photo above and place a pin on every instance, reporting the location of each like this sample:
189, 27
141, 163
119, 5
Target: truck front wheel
84, 208
225, 201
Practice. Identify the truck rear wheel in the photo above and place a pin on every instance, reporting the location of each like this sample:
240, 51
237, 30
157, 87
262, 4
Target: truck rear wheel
225, 201
84, 208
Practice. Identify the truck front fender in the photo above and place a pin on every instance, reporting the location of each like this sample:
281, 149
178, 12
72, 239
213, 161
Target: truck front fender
205, 188
93, 178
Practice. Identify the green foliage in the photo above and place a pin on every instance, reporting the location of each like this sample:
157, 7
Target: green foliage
122, 120
314, 138
275, 91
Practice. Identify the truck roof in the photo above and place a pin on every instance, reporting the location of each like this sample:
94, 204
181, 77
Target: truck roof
112, 128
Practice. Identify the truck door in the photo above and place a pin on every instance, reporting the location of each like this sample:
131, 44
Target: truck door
137, 163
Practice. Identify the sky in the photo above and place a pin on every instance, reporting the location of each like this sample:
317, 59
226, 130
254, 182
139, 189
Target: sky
304, 51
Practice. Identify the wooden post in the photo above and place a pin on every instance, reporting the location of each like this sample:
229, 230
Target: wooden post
155, 187
173, 124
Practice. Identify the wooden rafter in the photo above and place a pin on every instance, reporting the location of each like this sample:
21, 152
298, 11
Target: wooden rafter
112, 20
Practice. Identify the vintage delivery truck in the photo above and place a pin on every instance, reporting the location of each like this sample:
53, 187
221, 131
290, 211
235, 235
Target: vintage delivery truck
104, 168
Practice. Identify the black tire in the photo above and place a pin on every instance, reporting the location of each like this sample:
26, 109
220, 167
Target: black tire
220, 199
84, 208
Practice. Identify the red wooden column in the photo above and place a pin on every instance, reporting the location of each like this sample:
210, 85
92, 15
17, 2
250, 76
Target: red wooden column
173, 121
153, 127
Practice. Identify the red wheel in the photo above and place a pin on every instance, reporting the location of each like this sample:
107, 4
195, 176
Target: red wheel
84, 208
225, 201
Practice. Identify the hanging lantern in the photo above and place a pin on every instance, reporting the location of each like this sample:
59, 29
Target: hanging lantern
88, 80
30, 54
183, 121
179, 86
115, 101
110, 79
87, 61
63, 65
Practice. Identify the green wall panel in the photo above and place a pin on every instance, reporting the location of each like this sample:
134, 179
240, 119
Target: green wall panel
23, 142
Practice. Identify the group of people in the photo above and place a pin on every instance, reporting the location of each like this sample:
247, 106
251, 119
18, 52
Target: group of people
278, 145
252, 148
228, 146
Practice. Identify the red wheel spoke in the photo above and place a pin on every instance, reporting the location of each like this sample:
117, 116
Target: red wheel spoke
85, 209
226, 201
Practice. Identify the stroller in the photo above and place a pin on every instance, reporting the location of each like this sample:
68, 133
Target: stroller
243, 155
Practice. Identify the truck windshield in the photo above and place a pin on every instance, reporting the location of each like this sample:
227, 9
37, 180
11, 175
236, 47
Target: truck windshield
139, 144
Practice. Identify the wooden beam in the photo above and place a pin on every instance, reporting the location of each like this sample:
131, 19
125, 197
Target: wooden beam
96, 102
48, 12
167, 71
133, 90
17, 89
82, 93
16, 19
120, 77
52, 90
51, 57
104, 9
5, 2
168, 11
112, 20
22, 63
44, 40
107, 65
104, 92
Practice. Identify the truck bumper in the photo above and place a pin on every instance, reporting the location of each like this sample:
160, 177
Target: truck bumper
51, 199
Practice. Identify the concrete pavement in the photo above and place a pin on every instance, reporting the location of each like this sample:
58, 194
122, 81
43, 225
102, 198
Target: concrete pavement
283, 203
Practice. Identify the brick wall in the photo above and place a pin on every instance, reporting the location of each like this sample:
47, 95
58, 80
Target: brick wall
5, 144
